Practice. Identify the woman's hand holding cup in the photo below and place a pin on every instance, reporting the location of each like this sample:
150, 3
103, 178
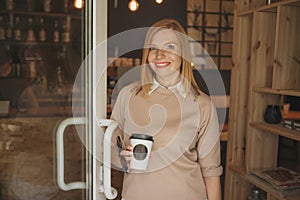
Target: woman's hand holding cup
127, 154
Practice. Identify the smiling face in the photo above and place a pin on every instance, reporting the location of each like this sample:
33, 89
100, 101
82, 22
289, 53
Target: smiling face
165, 57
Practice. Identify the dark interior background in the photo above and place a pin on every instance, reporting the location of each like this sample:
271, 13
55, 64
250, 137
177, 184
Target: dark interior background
122, 19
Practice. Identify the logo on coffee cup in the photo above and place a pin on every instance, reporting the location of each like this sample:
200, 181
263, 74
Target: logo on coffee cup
142, 145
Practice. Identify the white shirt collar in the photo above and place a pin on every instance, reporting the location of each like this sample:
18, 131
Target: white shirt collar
178, 86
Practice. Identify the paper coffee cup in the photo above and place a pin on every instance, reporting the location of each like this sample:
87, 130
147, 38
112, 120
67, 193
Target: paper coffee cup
141, 145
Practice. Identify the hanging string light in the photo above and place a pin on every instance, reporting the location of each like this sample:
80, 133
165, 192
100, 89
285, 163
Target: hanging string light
133, 5
159, 1
78, 4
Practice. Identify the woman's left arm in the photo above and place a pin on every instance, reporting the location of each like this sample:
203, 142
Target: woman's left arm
209, 152
213, 188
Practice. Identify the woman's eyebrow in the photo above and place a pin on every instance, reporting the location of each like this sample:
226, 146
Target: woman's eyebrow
166, 43
171, 42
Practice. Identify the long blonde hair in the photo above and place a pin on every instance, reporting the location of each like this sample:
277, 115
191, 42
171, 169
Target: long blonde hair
186, 66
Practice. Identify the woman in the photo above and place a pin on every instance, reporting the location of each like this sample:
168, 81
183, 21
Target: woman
167, 104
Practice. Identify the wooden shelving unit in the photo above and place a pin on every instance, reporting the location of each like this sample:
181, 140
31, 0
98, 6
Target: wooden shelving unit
263, 73
294, 92
277, 129
272, 192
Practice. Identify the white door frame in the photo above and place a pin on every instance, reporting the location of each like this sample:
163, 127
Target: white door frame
99, 30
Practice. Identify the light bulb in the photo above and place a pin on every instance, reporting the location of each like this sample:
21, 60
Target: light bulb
78, 4
159, 1
133, 5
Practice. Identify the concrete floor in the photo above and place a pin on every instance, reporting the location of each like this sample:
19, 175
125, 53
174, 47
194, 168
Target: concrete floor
28, 161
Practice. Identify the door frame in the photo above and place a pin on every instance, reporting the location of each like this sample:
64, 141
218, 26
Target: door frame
95, 33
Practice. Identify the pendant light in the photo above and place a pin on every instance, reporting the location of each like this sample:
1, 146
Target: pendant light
159, 1
78, 4
133, 5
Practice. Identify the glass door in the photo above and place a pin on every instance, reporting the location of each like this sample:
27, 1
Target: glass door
50, 140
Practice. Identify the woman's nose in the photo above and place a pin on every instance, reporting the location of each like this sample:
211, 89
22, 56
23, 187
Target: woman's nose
160, 53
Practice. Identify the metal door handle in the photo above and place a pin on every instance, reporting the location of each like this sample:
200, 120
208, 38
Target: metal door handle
60, 155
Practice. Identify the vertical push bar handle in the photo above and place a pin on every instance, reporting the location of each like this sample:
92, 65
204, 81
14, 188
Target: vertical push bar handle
60, 155
109, 191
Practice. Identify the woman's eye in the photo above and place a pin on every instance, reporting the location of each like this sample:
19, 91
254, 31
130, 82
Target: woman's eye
170, 47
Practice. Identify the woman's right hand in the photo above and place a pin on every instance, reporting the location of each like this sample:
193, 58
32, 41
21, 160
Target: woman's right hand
127, 155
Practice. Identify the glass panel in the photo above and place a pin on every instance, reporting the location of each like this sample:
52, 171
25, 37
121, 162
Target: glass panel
41, 44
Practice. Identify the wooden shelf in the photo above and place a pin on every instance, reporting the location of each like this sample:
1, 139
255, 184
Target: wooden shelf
289, 194
291, 92
279, 194
269, 7
277, 129
244, 13
43, 14
37, 43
